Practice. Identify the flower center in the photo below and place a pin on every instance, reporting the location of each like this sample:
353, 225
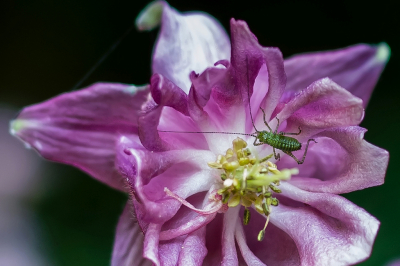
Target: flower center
249, 181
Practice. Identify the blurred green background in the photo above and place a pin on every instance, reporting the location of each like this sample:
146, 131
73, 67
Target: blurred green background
47, 46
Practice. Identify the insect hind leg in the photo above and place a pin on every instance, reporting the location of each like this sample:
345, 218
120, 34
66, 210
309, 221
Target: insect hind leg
265, 122
304, 155
295, 134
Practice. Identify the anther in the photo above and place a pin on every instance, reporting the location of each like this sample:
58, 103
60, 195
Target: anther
261, 235
275, 189
274, 202
265, 209
246, 216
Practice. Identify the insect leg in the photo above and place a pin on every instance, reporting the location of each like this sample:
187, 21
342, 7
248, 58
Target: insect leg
284, 133
265, 122
277, 126
257, 144
304, 155
277, 157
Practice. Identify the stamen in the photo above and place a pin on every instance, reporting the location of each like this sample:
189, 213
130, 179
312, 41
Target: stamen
261, 235
249, 181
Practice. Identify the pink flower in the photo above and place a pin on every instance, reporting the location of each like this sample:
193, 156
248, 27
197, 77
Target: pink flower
185, 199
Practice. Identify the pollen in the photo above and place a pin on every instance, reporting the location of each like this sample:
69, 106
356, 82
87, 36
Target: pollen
249, 181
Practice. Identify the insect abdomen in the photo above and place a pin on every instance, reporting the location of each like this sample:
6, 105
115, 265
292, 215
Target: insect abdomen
288, 144
279, 141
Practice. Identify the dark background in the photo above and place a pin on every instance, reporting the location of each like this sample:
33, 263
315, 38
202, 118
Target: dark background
47, 46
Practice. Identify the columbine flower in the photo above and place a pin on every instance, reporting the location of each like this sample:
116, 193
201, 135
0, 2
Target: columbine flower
194, 195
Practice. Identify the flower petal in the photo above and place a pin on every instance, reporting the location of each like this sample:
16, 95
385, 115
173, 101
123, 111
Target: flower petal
148, 173
356, 68
128, 244
322, 105
168, 112
151, 243
342, 162
187, 42
248, 256
193, 249
248, 57
229, 255
80, 128
277, 248
328, 230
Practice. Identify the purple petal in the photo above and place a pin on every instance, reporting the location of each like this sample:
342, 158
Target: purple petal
356, 68
229, 255
168, 112
149, 173
169, 250
248, 57
187, 42
193, 249
328, 229
186, 221
277, 248
80, 128
151, 243
342, 162
128, 244
322, 105
248, 256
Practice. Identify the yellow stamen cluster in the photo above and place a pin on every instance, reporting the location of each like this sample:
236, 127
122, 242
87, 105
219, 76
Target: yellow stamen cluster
249, 181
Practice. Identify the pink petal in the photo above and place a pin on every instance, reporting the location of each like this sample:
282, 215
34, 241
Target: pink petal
128, 244
169, 250
356, 68
187, 42
148, 173
342, 162
248, 57
151, 243
187, 221
229, 255
80, 128
168, 112
193, 249
277, 248
328, 230
322, 105
248, 256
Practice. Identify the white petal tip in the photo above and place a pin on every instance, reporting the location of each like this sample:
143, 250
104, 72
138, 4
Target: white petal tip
382, 53
16, 125
150, 17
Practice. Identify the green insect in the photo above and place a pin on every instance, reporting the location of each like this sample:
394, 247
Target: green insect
279, 140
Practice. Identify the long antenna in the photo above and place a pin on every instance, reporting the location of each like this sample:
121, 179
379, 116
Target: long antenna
248, 92
112, 48
208, 132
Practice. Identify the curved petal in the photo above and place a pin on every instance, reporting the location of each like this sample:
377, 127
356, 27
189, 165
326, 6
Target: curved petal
248, 57
322, 105
80, 128
248, 256
193, 249
128, 243
187, 42
168, 112
229, 254
355, 68
277, 248
328, 229
151, 244
342, 162
187, 221
148, 173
